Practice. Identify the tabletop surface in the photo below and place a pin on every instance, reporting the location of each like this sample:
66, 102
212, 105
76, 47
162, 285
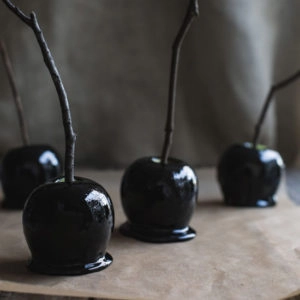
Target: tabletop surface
238, 254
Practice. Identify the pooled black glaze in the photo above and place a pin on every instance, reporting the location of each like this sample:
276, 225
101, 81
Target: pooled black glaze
159, 200
67, 227
249, 176
25, 168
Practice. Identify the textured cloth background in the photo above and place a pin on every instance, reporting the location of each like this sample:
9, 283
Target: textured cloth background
114, 59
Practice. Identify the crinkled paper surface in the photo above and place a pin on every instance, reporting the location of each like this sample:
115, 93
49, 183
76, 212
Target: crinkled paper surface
237, 254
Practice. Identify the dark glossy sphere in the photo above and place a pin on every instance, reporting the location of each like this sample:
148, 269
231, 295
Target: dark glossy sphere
68, 226
25, 168
159, 200
249, 176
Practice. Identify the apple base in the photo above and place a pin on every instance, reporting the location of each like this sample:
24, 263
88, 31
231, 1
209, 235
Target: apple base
156, 235
258, 203
78, 269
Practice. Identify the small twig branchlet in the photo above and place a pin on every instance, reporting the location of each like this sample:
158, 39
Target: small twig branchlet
16, 95
192, 12
70, 136
276, 87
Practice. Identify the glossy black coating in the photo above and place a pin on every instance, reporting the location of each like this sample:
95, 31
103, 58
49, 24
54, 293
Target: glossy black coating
68, 226
157, 235
25, 168
248, 176
159, 200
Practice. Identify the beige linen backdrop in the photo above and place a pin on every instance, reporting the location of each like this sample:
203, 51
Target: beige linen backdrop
114, 59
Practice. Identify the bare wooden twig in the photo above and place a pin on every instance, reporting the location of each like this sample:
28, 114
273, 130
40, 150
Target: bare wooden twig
276, 87
192, 12
16, 95
70, 136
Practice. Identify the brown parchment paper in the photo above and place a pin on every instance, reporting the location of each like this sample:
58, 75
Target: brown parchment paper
237, 254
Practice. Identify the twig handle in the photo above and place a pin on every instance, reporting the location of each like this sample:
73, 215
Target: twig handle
16, 95
192, 12
70, 136
276, 87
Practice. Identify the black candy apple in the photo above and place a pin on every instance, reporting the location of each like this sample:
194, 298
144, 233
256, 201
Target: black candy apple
159, 193
159, 200
67, 223
26, 167
68, 226
250, 176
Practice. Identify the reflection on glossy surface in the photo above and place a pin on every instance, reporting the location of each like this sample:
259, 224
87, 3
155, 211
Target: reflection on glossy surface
248, 176
159, 200
186, 173
68, 227
48, 157
25, 168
